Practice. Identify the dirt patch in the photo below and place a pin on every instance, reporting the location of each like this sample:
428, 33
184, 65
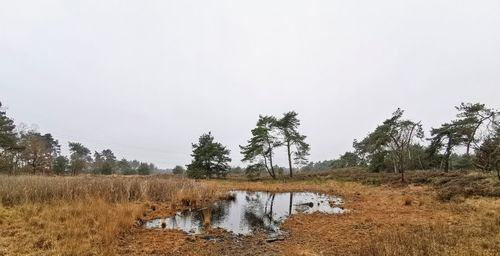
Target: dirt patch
213, 242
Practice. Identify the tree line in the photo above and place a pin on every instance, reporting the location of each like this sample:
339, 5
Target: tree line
470, 141
28, 151
398, 144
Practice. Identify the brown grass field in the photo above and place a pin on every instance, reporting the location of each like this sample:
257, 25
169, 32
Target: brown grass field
101, 215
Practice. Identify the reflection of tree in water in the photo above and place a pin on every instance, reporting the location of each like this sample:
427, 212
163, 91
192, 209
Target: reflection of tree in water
202, 218
219, 212
212, 215
249, 212
185, 220
259, 215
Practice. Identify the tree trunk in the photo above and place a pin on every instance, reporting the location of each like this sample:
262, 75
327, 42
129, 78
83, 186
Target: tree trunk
272, 167
395, 164
420, 162
15, 163
271, 163
447, 155
33, 166
468, 149
289, 158
271, 207
267, 168
447, 164
271, 159
401, 166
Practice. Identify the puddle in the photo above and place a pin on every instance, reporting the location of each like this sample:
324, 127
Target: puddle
249, 212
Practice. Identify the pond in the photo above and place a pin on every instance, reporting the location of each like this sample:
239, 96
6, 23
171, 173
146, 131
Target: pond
249, 212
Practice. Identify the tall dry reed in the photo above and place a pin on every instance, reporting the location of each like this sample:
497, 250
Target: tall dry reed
15, 190
84, 215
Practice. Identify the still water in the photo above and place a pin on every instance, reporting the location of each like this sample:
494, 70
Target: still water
249, 212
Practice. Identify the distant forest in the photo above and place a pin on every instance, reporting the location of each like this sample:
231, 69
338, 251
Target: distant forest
470, 141
27, 151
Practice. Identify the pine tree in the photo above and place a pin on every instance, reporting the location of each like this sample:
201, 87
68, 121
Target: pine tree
394, 137
8, 143
260, 148
210, 159
7, 134
288, 126
79, 157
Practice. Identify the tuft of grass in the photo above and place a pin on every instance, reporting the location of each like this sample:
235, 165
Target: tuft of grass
408, 201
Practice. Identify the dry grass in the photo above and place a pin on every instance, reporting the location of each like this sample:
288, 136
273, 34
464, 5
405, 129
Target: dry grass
16, 190
84, 215
388, 220
96, 215
449, 186
87, 227
476, 232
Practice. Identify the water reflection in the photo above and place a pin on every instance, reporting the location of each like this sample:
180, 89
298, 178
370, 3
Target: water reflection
249, 212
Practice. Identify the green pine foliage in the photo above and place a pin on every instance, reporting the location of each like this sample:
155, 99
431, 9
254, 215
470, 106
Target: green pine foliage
210, 159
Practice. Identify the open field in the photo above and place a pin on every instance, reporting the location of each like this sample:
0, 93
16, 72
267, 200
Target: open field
98, 215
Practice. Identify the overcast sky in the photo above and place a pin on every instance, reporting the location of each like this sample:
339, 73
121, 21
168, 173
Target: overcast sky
147, 78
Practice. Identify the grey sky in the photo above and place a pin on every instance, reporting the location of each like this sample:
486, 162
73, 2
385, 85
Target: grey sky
146, 78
